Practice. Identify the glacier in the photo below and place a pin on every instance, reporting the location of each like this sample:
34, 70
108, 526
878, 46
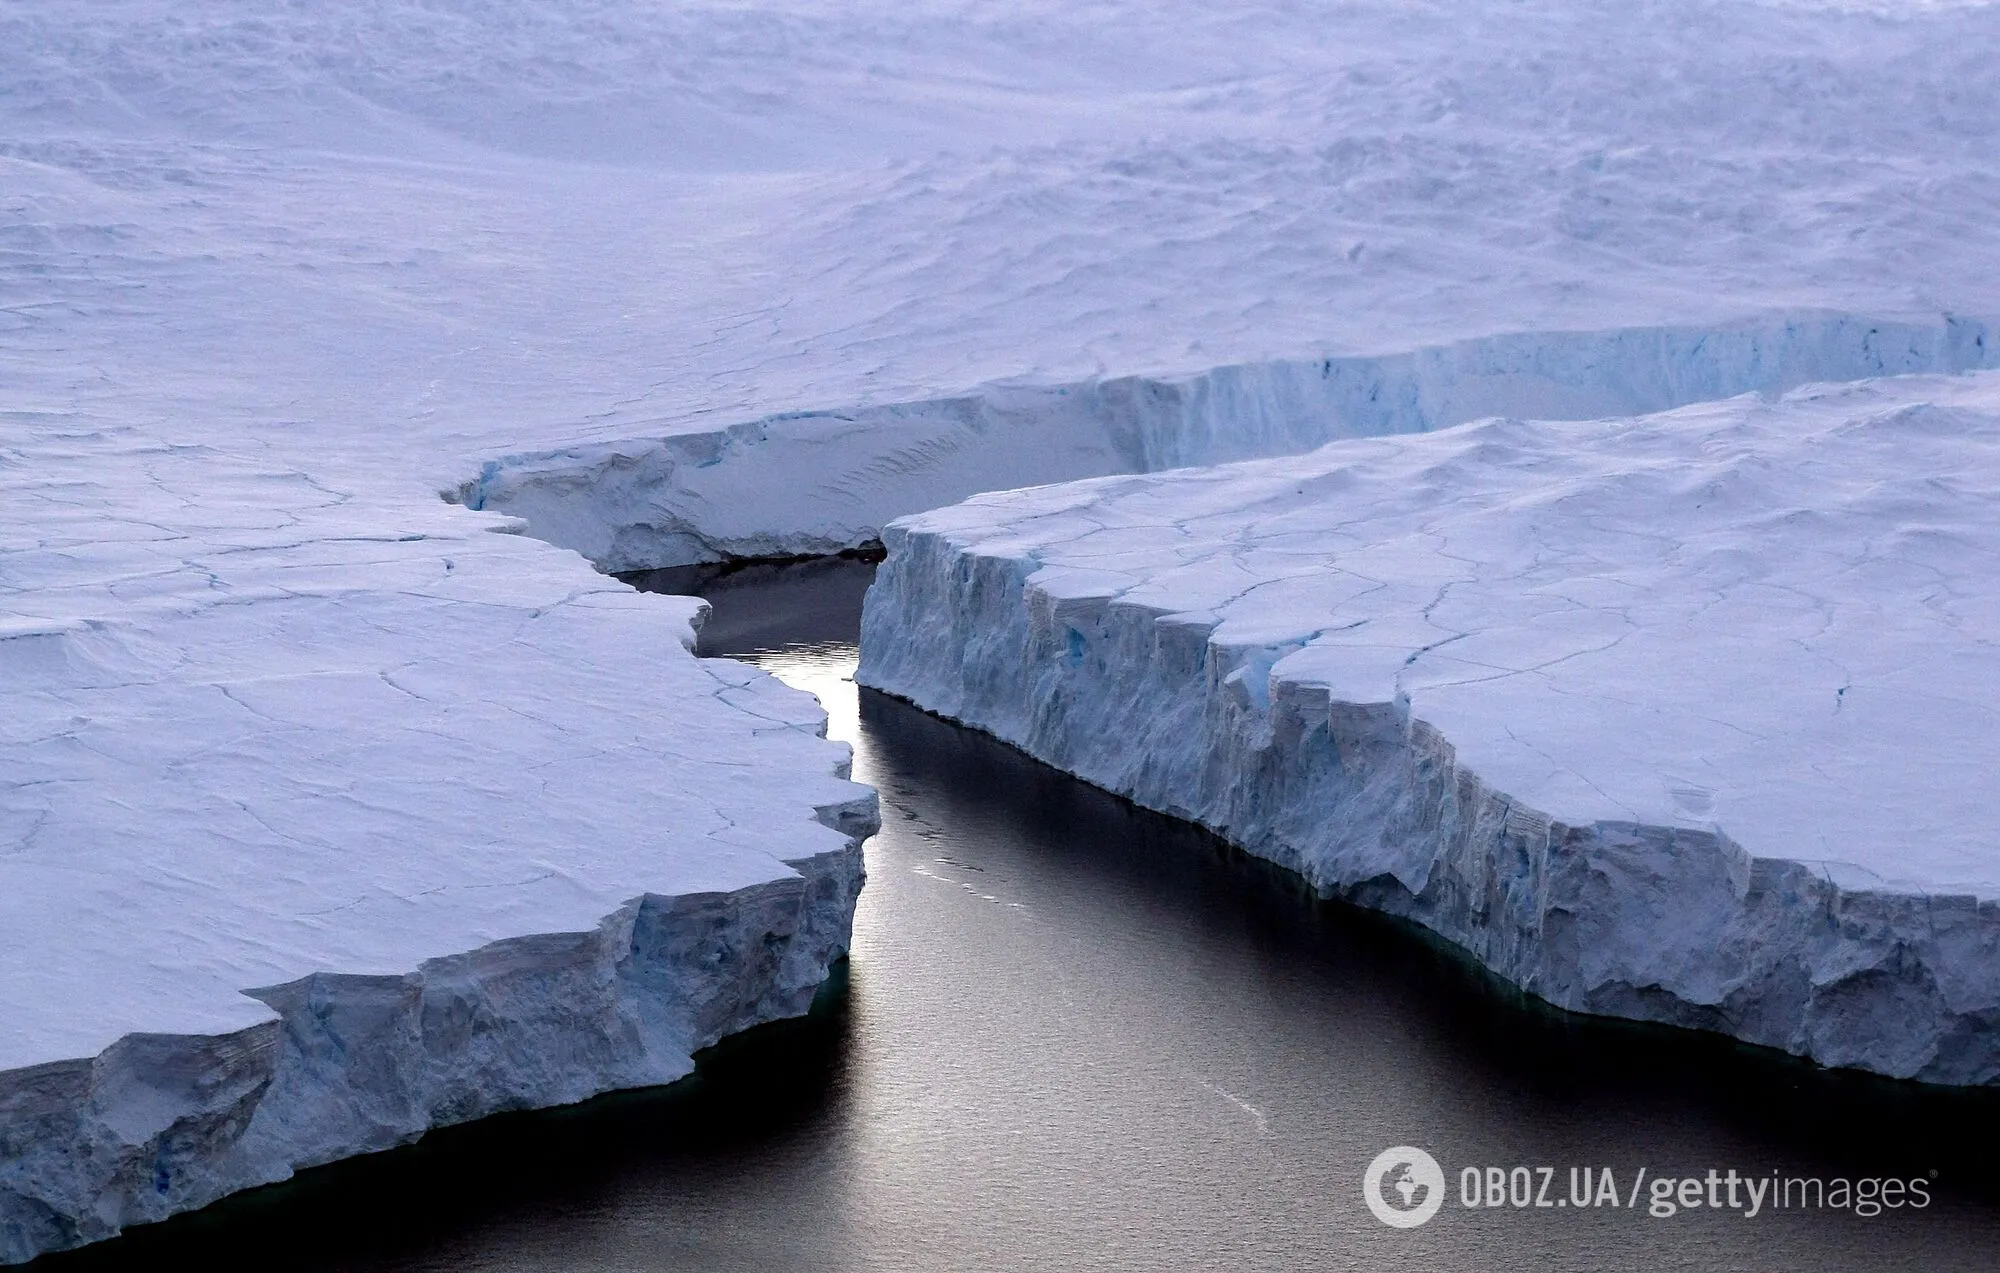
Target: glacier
1684, 717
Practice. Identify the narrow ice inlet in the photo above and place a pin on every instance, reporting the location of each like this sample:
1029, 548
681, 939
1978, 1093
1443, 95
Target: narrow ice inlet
1075, 1034
1838, 823
1887, 991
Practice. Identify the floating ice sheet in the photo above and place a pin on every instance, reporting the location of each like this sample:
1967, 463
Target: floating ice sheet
1686, 716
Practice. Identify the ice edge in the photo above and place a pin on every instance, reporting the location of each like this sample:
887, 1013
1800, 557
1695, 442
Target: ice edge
1625, 919
841, 475
159, 1124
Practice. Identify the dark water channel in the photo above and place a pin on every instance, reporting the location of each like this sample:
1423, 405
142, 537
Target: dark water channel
1074, 1035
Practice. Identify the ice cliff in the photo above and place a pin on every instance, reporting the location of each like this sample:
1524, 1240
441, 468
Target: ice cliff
330, 816
804, 483
1685, 717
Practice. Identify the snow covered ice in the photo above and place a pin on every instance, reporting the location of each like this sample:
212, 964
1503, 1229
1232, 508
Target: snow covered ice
1686, 717
1204, 233
283, 735
331, 816
845, 474
678, 282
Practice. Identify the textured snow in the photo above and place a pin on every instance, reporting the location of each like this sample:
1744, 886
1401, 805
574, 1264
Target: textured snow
1685, 717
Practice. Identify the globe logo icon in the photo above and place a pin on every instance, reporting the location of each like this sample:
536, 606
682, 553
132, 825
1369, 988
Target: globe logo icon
1403, 1187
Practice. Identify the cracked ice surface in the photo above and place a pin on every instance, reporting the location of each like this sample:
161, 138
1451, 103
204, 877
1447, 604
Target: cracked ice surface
1686, 717
330, 815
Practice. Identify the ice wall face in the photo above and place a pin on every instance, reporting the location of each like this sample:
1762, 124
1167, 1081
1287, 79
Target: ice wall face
330, 816
160, 1123
821, 482
1680, 718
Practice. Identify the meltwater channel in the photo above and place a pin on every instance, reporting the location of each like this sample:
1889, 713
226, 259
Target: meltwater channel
1076, 1035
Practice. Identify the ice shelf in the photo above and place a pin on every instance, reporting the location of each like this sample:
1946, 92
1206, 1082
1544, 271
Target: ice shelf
327, 815
804, 483
331, 816
1686, 717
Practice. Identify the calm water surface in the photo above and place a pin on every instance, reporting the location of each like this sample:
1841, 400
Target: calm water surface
1074, 1035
